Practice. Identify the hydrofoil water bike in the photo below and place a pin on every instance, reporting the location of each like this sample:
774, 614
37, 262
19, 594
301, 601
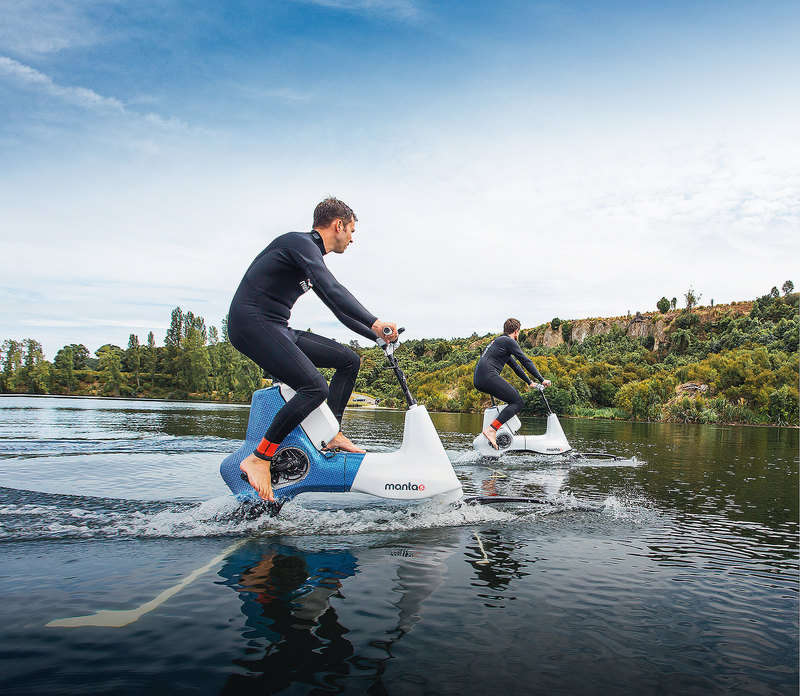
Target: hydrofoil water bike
419, 469
553, 441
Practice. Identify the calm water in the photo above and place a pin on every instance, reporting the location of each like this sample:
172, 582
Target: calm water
674, 571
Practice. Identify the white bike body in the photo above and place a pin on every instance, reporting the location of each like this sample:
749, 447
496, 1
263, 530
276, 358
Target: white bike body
552, 442
419, 469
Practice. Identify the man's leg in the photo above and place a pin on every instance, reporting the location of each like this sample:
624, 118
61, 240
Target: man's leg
325, 352
272, 348
500, 389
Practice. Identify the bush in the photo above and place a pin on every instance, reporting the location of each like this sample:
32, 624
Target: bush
663, 305
562, 399
783, 405
644, 400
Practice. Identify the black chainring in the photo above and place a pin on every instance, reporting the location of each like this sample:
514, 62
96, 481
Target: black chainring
289, 464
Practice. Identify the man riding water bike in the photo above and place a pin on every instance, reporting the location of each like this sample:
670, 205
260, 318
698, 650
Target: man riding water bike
487, 379
258, 326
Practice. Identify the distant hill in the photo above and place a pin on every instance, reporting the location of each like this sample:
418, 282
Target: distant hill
735, 363
732, 363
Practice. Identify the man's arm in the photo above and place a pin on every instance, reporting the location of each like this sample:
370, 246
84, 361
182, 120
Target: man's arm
518, 370
527, 363
338, 298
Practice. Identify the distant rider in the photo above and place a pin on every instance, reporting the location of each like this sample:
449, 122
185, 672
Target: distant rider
258, 326
487, 377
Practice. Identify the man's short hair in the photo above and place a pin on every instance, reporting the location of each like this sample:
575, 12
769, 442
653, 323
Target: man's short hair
511, 325
332, 209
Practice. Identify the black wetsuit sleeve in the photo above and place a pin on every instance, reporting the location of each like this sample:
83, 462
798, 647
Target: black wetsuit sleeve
527, 363
518, 370
338, 299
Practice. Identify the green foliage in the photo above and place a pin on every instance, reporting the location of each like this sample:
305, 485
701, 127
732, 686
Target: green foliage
11, 357
111, 368
692, 299
132, 359
748, 364
663, 305
783, 404
645, 399
562, 397
64, 370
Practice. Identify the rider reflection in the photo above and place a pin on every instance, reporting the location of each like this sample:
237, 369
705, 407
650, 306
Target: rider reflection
295, 634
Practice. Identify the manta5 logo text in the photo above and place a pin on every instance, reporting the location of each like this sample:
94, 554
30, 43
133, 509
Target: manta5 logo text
404, 487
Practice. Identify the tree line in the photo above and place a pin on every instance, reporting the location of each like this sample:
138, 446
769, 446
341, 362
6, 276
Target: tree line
714, 366
194, 362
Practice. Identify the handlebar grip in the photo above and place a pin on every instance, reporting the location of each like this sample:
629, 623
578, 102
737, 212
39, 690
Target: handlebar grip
387, 330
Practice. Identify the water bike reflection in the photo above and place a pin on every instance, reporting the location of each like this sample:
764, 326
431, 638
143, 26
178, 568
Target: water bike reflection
298, 618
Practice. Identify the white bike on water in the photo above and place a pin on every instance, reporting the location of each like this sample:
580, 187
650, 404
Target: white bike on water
302, 464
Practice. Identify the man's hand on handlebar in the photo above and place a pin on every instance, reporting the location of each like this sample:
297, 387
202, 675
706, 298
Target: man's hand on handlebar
379, 326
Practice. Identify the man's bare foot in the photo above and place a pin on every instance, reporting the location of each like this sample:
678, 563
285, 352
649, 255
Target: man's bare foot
341, 442
258, 476
490, 433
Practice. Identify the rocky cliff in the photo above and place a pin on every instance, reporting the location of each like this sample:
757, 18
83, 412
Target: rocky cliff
639, 325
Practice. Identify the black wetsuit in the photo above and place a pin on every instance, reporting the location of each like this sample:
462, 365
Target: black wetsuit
487, 375
258, 326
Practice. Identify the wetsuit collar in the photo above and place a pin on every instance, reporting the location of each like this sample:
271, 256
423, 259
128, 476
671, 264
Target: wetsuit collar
317, 237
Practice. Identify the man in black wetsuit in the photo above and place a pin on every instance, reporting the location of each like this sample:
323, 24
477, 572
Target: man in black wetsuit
258, 326
487, 377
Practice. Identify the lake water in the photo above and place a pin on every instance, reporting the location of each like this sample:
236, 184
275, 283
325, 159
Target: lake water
673, 571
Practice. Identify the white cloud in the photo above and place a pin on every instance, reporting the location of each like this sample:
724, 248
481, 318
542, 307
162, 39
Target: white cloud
88, 99
37, 27
399, 9
79, 96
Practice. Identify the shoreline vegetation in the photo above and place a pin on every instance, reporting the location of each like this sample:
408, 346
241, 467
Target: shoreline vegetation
735, 363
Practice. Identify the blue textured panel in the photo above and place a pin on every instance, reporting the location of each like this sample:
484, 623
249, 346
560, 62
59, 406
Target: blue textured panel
334, 473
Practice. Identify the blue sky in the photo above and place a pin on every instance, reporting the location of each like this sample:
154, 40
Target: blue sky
529, 159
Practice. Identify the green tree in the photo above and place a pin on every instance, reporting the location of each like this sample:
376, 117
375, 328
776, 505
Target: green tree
644, 400
133, 357
111, 366
442, 350
681, 340
80, 355
691, 299
64, 369
246, 377
787, 287
194, 364
783, 405
150, 358
663, 305
173, 340
674, 303
11, 352
36, 370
